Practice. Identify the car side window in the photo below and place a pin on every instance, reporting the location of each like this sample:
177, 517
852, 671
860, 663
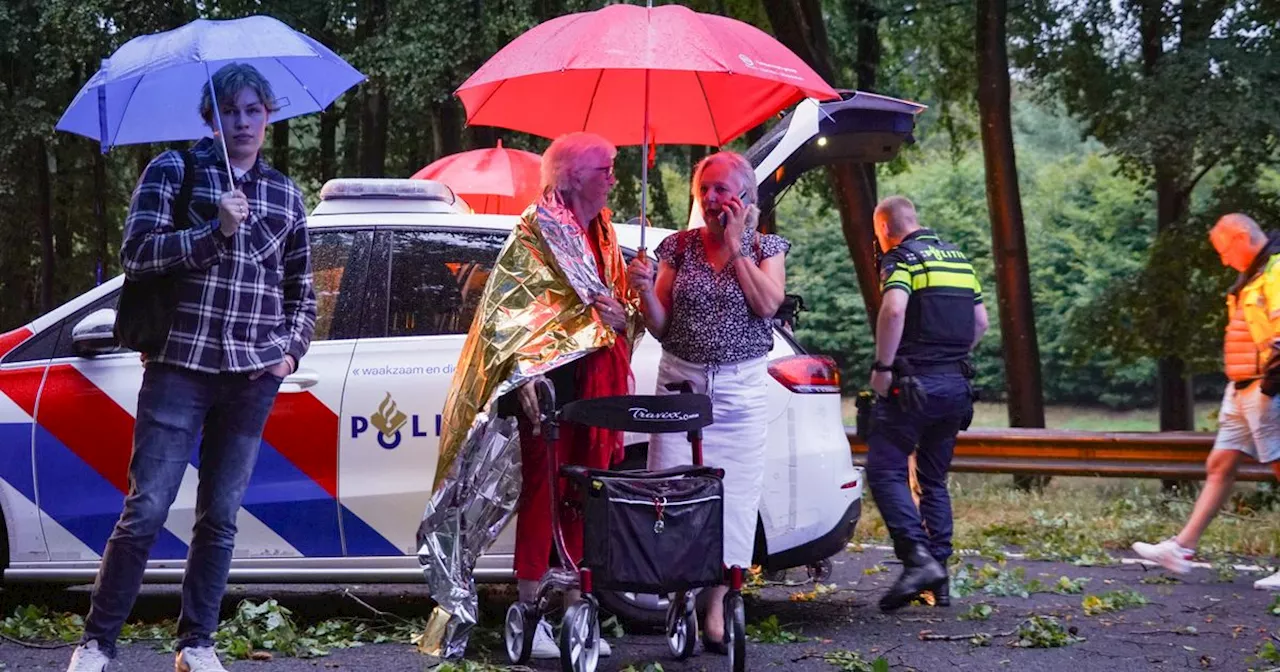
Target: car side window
437, 278
339, 264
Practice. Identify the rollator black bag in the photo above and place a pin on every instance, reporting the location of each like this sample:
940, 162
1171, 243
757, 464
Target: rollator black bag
655, 535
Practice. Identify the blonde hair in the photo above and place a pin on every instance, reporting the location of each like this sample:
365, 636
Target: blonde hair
899, 215
563, 159
738, 165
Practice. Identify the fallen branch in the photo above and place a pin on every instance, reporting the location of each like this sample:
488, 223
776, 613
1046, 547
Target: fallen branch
34, 645
930, 636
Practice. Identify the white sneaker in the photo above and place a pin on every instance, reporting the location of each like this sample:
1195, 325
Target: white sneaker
544, 642
87, 658
1168, 554
1270, 583
198, 659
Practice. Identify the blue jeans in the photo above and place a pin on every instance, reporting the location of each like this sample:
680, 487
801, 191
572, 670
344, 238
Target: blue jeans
177, 408
931, 434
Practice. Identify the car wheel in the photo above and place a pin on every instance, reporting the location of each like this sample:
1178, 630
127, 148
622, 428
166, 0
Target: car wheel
636, 609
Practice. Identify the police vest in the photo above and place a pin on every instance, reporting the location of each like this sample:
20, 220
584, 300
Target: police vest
943, 290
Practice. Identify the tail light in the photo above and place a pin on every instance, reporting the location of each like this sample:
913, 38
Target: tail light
807, 374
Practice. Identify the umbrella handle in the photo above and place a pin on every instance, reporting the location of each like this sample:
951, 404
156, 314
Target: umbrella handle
219, 137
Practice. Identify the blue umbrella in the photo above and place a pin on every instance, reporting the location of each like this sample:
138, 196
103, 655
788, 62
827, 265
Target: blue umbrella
149, 89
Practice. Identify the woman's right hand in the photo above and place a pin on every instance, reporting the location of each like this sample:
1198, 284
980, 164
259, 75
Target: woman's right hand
640, 272
528, 395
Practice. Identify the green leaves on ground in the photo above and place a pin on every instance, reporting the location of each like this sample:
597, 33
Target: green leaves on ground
1115, 600
1001, 581
977, 612
770, 631
852, 661
32, 623
1274, 609
1044, 632
643, 667
265, 626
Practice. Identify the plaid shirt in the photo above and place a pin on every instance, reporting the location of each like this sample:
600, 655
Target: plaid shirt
244, 301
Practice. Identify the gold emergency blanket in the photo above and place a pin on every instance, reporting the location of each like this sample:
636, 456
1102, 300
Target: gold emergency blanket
535, 314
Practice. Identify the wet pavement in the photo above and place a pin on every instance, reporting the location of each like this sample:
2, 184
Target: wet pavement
1203, 621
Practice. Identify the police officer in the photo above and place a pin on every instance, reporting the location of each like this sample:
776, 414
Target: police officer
931, 317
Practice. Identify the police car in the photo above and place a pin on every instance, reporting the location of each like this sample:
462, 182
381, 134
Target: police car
348, 454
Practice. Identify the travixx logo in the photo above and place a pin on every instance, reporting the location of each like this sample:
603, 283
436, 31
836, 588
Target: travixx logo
646, 415
389, 420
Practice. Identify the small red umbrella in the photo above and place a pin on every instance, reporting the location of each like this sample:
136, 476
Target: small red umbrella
640, 75
495, 181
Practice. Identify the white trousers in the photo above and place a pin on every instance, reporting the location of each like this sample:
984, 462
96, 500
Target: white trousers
734, 443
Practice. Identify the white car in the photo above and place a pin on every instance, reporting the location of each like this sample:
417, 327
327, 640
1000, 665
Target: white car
349, 451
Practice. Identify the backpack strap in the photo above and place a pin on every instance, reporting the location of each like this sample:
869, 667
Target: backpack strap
182, 203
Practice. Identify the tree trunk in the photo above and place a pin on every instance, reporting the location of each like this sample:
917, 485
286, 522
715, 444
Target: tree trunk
1008, 235
798, 24
44, 221
373, 132
351, 138
328, 144
856, 203
866, 66
448, 128
280, 146
1174, 390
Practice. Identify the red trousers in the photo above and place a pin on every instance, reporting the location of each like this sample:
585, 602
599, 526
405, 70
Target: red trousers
533, 523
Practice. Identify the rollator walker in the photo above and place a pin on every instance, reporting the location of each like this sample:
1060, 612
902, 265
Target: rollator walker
643, 531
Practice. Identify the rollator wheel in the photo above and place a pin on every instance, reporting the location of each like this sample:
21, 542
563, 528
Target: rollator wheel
735, 632
682, 626
518, 630
580, 637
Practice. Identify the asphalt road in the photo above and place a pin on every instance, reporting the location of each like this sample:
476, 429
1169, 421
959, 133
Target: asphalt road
1227, 621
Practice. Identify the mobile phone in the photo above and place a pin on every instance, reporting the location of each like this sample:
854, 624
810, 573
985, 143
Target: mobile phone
742, 198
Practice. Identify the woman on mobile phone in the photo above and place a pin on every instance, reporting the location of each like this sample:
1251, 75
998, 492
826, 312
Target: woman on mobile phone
711, 303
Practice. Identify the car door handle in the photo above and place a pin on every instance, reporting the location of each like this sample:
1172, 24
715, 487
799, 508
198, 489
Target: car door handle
299, 381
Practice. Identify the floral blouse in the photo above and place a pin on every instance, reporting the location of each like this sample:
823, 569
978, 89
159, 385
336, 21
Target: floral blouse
710, 321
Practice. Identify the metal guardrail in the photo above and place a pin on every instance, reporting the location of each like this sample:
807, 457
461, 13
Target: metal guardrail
1052, 452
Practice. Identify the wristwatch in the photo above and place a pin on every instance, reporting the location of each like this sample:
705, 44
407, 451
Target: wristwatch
877, 366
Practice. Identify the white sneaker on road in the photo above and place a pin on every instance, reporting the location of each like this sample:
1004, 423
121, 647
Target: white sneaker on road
1168, 554
87, 658
1270, 583
544, 642
546, 648
198, 659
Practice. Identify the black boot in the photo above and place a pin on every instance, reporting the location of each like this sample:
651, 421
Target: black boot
920, 572
942, 594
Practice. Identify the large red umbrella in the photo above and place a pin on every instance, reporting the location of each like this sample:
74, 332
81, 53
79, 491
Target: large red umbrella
694, 78
495, 181
640, 75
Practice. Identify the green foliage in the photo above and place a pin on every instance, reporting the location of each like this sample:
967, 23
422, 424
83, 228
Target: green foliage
1115, 600
1044, 632
643, 667
1069, 586
33, 623
1274, 609
977, 612
993, 580
852, 661
770, 631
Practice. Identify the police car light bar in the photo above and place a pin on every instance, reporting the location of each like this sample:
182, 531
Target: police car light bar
371, 187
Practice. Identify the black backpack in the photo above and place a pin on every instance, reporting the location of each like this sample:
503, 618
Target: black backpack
145, 312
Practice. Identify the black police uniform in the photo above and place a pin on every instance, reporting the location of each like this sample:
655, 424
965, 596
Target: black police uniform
934, 355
